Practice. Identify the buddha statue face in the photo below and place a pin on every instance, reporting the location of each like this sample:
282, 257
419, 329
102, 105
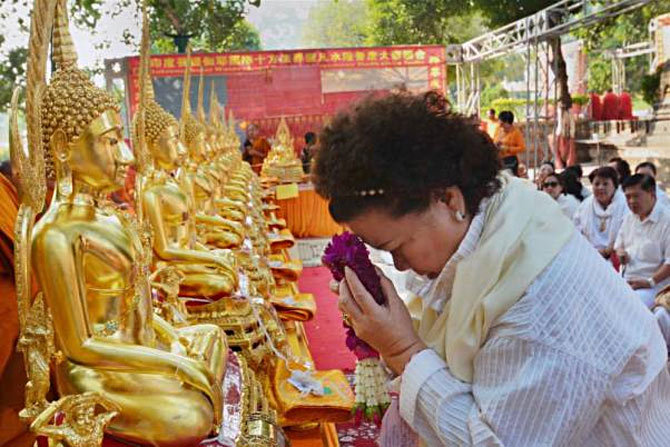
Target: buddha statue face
168, 151
197, 149
98, 157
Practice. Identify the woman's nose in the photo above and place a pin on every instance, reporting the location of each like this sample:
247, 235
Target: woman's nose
399, 262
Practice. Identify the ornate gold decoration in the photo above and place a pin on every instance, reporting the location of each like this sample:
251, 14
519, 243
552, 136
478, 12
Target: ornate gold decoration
92, 264
36, 341
81, 426
282, 163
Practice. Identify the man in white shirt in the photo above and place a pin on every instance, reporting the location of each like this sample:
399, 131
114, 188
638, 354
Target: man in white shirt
643, 242
648, 168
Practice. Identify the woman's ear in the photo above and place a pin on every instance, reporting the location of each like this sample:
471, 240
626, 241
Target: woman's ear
453, 198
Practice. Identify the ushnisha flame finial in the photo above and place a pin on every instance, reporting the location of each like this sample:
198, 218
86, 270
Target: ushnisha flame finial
156, 119
64, 52
202, 117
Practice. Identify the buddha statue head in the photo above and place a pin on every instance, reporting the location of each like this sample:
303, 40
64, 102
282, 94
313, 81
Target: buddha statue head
217, 126
81, 124
161, 131
191, 130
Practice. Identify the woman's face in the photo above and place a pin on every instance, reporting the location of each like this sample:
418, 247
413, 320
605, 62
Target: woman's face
545, 170
552, 186
603, 190
422, 241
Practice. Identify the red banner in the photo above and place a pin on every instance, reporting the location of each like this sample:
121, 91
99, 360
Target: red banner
306, 86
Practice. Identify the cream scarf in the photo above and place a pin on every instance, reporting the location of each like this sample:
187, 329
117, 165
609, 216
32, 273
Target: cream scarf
523, 231
599, 220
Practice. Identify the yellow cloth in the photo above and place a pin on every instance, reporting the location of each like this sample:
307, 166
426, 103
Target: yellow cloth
523, 231
281, 240
285, 270
296, 408
301, 306
512, 142
308, 216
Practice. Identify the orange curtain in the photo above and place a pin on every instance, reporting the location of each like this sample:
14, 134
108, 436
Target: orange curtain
307, 215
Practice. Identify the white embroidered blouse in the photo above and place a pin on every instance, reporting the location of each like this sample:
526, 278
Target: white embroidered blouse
577, 361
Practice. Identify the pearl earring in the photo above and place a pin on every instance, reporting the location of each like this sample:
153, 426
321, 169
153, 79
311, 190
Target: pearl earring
460, 217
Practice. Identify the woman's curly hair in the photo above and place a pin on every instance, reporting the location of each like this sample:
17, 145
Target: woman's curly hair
404, 146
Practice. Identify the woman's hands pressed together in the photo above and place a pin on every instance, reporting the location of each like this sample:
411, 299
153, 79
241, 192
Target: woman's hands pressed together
388, 328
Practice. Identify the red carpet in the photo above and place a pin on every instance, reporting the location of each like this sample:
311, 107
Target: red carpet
326, 343
325, 332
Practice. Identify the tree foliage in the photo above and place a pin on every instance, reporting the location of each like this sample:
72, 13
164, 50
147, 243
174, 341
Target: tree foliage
214, 26
213, 23
342, 23
394, 22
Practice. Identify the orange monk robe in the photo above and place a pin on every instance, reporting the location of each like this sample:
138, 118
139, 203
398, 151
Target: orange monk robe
12, 375
261, 147
9, 323
511, 142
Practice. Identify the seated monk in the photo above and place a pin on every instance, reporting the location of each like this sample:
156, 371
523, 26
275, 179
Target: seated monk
12, 376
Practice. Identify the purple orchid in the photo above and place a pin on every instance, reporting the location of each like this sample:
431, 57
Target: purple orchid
348, 250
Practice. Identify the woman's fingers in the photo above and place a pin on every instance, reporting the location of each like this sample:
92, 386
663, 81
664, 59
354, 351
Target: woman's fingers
360, 294
347, 304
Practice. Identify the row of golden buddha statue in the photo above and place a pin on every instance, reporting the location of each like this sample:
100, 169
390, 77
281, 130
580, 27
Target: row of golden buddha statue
160, 327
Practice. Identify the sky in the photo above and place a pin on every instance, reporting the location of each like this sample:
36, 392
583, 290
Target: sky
279, 22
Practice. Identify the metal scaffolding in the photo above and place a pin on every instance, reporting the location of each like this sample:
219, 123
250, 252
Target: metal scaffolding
530, 37
619, 56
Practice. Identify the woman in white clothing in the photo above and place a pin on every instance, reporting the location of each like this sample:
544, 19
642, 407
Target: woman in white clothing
526, 336
553, 185
600, 215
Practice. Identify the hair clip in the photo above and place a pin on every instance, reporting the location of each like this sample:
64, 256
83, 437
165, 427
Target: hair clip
369, 192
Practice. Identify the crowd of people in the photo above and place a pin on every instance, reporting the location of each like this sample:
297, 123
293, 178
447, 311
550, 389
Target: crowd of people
626, 217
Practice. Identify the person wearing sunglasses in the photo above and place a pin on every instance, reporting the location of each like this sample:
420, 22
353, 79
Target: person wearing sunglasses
553, 185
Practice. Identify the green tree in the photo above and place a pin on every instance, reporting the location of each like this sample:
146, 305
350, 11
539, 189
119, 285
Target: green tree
215, 26
243, 37
394, 22
616, 32
341, 23
212, 23
599, 74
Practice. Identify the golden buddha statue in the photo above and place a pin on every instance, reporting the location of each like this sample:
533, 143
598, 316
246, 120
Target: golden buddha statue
211, 146
92, 265
282, 163
206, 274
197, 182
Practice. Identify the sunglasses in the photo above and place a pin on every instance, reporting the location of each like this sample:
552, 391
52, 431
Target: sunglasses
549, 184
